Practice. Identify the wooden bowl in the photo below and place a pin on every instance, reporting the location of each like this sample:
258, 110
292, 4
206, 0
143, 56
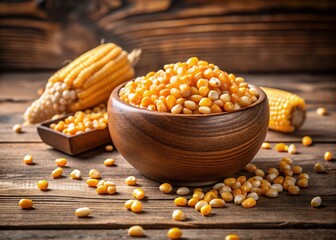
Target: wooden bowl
187, 149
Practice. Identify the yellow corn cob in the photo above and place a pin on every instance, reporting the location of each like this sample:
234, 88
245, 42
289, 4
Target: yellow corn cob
84, 83
287, 110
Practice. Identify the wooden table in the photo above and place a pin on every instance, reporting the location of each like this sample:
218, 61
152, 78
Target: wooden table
285, 217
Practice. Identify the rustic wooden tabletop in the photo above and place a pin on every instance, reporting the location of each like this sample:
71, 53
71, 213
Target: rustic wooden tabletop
285, 217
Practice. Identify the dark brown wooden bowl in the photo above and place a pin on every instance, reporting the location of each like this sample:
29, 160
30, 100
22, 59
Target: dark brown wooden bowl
187, 149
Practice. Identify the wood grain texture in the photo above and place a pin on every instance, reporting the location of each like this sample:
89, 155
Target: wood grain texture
160, 234
264, 35
187, 149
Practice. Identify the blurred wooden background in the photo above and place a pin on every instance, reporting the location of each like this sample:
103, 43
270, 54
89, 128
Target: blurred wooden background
240, 36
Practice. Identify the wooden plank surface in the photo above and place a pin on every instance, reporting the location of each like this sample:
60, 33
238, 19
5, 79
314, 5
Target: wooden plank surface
288, 35
286, 217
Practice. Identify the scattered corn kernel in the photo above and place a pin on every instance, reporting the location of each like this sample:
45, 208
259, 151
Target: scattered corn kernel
42, 185
128, 204
178, 215
253, 195
200, 204
303, 176
280, 147
83, 212
227, 196
180, 201
232, 237
92, 182
57, 172
182, 191
109, 162
136, 231
249, 202
277, 186
238, 199
327, 156
94, 173
259, 172
75, 174
174, 233
111, 190
292, 149
136, 206
61, 162
307, 141
319, 168
26, 203
17, 128
297, 170
303, 183
293, 190
272, 193
28, 159
316, 202
193, 201
322, 111
217, 203
166, 188
109, 148
101, 190
250, 167
131, 181
138, 193
266, 145
206, 210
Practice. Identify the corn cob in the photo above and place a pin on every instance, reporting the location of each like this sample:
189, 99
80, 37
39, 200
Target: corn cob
287, 110
84, 83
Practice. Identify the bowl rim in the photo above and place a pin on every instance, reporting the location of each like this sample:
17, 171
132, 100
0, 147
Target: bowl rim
115, 95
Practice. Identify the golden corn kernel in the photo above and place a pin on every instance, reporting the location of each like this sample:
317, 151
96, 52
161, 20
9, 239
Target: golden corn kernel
25, 203
307, 141
206, 210
259, 172
229, 181
249, 202
293, 190
232, 237
303, 176
109, 148
83, 212
138, 193
303, 183
198, 194
57, 172
287, 160
111, 190
319, 168
238, 199
28, 159
180, 201
166, 188
136, 206
178, 215
101, 190
109, 162
92, 182
253, 195
227, 196
182, 191
280, 147
266, 145
136, 231
316, 202
193, 201
75, 174
128, 204
131, 181
322, 111
250, 167
61, 162
42, 185
328, 156
174, 233
17, 128
200, 204
94, 173
297, 170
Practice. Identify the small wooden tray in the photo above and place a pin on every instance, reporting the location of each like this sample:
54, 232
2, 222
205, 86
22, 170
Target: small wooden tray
72, 145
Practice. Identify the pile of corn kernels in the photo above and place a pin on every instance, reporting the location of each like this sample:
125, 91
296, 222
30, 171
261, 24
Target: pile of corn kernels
191, 87
83, 121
